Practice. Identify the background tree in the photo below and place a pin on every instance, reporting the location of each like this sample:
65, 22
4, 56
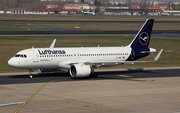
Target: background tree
121, 5
114, 5
143, 4
82, 1
105, 3
128, 3
17, 3
97, 2
177, 7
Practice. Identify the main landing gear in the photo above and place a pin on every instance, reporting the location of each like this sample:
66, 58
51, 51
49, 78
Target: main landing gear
93, 75
30, 74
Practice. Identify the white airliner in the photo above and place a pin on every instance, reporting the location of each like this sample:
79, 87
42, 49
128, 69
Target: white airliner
81, 61
88, 13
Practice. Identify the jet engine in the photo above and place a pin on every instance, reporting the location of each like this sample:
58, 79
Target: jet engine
47, 70
80, 70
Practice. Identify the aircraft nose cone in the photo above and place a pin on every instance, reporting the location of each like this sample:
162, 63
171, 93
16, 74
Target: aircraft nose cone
12, 62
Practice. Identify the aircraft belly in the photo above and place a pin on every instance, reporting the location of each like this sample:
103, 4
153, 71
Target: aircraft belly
48, 64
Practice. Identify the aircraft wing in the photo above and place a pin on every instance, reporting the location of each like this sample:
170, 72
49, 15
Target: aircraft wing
106, 63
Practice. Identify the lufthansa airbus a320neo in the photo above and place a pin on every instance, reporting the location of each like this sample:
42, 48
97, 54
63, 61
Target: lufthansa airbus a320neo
81, 61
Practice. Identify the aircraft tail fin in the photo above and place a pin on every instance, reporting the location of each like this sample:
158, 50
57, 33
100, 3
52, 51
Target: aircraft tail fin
143, 36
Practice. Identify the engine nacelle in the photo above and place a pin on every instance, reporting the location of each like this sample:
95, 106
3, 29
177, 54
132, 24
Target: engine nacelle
80, 70
48, 70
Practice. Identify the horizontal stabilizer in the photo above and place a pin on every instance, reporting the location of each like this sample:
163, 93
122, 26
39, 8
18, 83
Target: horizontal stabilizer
158, 55
156, 58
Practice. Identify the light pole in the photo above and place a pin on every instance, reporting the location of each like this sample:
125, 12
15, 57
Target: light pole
5, 2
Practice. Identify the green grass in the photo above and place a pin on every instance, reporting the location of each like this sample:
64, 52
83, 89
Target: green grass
83, 17
12, 44
22, 26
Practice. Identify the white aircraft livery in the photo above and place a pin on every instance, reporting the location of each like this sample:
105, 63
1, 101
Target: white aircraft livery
81, 61
88, 13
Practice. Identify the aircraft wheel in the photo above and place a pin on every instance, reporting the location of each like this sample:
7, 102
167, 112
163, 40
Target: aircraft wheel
30, 73
30, 76
93, 75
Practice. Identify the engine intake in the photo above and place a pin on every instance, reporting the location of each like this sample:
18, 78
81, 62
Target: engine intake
80, 70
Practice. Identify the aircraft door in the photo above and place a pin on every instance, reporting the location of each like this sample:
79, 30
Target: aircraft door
35, 56
132, 54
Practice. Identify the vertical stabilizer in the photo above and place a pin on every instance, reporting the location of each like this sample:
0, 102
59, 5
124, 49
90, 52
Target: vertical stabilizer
142, 38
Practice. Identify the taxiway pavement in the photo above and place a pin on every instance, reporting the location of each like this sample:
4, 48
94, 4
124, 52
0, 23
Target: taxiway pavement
133, 91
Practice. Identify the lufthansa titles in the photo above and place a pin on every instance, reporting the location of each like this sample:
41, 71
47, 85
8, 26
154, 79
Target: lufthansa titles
45, 52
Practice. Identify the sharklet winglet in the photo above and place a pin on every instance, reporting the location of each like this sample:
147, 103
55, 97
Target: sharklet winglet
53, 43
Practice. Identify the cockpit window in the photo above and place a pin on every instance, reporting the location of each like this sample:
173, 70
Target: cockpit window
17, 55
21, 55
25, 56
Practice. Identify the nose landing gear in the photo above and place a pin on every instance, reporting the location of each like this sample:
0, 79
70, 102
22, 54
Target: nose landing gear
30, 74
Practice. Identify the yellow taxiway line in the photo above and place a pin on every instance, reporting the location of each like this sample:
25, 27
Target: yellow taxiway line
125, 76
32, 96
